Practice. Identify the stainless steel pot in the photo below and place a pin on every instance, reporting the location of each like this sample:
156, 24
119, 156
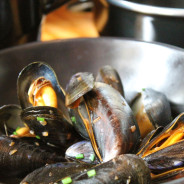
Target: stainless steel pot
147, 20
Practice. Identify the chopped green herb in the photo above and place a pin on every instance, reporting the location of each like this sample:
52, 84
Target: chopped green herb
17, 128
92, 157
15, 133
79, 156
73, 119
143, 89
67, 180
91, 173
37, 136
40, 119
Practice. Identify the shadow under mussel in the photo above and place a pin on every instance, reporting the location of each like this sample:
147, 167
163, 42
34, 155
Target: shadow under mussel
163, 151
106, 116
122, 169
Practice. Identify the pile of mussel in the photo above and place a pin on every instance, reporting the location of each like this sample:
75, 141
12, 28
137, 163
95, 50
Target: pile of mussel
88, 133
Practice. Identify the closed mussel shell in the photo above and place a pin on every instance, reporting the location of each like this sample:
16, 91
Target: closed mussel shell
49, 125
151, 109
122, 169
82, 152
18, 158
109, 75
53, 172
115, 129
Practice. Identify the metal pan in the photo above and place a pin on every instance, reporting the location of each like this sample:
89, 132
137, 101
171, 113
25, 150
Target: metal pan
140, 64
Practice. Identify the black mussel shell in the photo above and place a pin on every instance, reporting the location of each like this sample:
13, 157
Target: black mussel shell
79, 84
164, 152
19, 158
109, 75
10, 119
53, 172
77, 117
151, 109
82, 152
32, 72
115, 129
54, 130
123, 169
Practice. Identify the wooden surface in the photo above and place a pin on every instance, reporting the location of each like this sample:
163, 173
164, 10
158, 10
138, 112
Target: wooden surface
64, 23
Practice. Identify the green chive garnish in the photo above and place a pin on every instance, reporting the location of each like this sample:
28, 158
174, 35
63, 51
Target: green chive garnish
17, 128
73, 119
92, 157
37, 136
143, 89
67, 180
79, 156
91, 173
15, 133
40, 119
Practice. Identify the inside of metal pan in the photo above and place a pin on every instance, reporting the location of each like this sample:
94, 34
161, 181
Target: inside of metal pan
139, 64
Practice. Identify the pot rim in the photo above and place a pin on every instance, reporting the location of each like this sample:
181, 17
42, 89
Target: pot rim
148, 9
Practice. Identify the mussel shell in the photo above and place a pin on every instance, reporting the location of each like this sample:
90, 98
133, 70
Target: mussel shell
114, 126
79, 84
166, 159
29, 74
122, 169
109, 75
53, 172
83, 147
156, 108
56, 131
165, 163
78, 122
18, 158
10, 119
159, 133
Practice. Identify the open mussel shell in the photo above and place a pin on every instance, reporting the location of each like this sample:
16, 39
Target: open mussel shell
31, 73
123, 169
19, 158
82, 152
53, 172
114, 126
165, 151
79, 84
109, 75
10, 119
151, 109
53, 128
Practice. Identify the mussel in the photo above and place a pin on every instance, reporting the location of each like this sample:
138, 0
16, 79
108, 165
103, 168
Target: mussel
42, 100
37, 85
164, 152
10, 119
49, 124
53, 172
108, 120
151, 109
18, 158
109, 75
82, 152
122, 169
